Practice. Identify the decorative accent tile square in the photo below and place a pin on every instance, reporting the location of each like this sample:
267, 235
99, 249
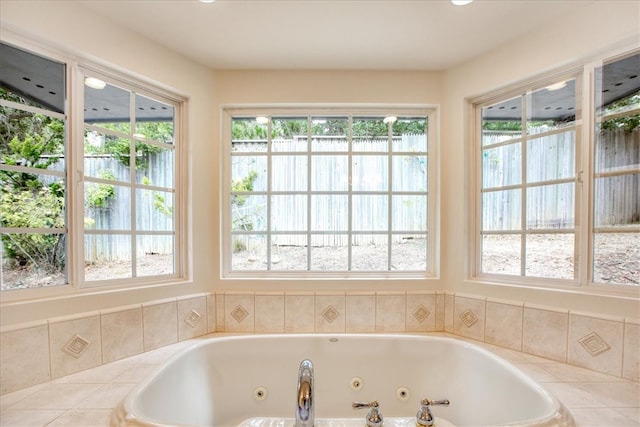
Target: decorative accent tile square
76, 346
594, 344
330, 314
239, 313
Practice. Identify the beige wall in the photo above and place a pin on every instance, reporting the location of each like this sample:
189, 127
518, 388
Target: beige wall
76, 31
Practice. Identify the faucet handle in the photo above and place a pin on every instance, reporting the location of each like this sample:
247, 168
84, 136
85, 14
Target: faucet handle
374, 417
424, 416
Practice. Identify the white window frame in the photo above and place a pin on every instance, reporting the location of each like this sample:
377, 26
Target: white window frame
74, 157
584, 195
431, 112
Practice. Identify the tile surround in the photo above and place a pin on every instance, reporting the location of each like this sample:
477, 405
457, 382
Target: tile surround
64, 346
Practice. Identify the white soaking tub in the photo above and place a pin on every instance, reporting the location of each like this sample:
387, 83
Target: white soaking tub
251, 381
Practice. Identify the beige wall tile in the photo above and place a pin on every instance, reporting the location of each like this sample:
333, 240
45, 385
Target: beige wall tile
391, 311
440, 311
211, 313
192, 317
361, 312
504, 324
596, 343
74, 345
421, 312
220, 312
330, 313
121, 334
631, 355
544, 332
160, 323
449, 312
239, 312
24, 358
299, 312
469, 317
269, 313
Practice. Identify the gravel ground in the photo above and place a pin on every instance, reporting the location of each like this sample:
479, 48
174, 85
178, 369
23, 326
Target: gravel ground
617, 259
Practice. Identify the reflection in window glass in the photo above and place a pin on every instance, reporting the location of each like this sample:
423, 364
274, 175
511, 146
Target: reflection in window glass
616, 179
33, 171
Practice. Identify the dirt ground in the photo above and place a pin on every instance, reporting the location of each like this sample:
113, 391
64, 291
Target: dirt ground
617, 261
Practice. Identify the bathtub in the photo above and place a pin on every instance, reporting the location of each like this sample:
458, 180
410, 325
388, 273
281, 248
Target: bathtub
250, 381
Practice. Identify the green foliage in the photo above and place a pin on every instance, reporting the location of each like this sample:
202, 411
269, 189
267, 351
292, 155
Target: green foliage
26, 201
41, 208
245, 184
159, 202
100, 196
626, 122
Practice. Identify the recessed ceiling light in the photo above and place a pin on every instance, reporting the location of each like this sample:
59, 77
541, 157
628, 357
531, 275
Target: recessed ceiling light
556, 86
461, 2
94, 83
207, 1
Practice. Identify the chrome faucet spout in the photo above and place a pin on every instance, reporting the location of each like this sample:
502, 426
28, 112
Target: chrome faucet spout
305, 416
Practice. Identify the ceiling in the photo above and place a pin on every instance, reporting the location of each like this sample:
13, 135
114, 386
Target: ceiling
333, 34
318, 34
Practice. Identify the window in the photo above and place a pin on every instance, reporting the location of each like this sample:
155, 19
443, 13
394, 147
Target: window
93, 200
316, 193
543, 175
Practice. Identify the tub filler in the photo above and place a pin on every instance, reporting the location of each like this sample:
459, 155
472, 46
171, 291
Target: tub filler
255, 381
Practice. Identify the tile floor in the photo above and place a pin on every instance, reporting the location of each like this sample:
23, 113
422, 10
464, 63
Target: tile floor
87, 398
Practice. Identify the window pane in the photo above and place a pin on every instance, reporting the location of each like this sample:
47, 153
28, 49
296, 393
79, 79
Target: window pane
289, 252
617, 201
551, 107
329, 213
618, 149
329, 134
329, 252
409, 173
249, 252
329, 173
409, 134
370, 173
32, 260
30, 139
501, 254
154, 165
288, 213
409, 252
107, 206
155, 255
370, 213
551, 157
409, 213
107, 257
289, 173
551, 206
248, 173
370, 252
550, 255
616, 258
370, 134
502, 166
248, 213
154, 210
154, 120
29, 200
289, 134
501, 210
107, 156
502, 121
108, 107
247, 135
